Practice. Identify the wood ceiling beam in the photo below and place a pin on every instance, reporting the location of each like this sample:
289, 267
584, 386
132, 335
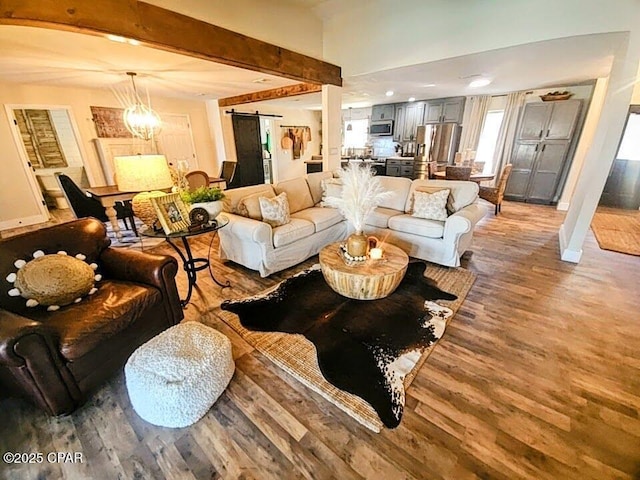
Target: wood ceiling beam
280, 92
167, 30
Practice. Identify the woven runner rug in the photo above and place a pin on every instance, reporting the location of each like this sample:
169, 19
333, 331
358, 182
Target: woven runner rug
418, 305
617, 230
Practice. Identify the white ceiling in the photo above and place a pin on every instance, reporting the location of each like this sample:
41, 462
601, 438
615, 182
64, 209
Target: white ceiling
42, 56
47, 57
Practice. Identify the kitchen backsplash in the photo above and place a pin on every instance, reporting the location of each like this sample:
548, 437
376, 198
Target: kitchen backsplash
383, 146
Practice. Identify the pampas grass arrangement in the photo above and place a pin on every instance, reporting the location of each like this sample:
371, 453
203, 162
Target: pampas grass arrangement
361, 193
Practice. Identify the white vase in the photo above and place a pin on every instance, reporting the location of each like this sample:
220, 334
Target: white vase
213, 208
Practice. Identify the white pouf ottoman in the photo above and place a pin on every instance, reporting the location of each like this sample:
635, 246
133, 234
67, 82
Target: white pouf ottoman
175, 377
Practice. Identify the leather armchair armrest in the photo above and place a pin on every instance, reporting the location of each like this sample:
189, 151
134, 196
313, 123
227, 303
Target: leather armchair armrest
151, 269
14, 327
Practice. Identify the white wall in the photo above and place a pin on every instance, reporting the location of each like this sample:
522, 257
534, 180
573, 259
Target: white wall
384, 34
13, 183
280, 22
285, 167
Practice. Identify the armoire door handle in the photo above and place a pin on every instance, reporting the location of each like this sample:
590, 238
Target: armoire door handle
540, 134
536, 149
544, 146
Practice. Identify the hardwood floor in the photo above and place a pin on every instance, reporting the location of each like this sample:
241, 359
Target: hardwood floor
537, 376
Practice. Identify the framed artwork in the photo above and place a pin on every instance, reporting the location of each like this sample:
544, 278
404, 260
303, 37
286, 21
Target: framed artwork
172, 213
109, 122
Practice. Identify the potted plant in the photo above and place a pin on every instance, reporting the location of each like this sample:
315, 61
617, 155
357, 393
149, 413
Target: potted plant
209, 198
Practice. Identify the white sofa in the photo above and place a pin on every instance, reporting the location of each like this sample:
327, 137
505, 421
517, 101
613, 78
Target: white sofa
441, 242
256, 245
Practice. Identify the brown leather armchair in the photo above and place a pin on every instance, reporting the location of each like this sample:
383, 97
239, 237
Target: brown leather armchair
56, 358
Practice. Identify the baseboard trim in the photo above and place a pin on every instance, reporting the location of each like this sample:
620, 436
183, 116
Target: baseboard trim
567, 255
22, 222
563, 206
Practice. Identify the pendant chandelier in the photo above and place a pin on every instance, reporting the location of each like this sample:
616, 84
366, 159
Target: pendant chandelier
139, 119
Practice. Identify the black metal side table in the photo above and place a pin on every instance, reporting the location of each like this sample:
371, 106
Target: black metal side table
192, 265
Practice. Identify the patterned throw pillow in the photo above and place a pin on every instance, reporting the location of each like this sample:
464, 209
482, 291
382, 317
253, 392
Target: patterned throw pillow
433, 189
431, 206
275, 211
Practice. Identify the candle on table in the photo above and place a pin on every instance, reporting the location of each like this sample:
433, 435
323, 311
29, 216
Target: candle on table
375, 253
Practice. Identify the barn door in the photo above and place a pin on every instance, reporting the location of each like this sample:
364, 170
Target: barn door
250, 168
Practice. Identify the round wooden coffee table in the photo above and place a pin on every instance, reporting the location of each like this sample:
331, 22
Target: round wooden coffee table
369, 280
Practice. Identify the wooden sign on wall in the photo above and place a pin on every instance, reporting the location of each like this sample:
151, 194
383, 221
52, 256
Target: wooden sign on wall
109, 122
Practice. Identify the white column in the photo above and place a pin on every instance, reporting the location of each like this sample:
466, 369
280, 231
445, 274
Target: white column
331, 127
603, 149
586, 139
215, 127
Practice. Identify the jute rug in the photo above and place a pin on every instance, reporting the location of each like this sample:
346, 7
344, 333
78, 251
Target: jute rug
617, 230
299, 356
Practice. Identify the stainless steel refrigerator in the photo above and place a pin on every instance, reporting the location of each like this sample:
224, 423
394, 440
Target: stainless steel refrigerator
435, 143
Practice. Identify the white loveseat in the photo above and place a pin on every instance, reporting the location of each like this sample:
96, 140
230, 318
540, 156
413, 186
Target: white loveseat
441, 242
256, 245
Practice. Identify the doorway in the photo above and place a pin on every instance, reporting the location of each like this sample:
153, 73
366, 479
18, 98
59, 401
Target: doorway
616, 223
622, 189
47, 139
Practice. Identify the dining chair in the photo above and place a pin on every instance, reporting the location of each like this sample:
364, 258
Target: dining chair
228, 171
495, 194
84, 205
432, 168
458, 173
197, 179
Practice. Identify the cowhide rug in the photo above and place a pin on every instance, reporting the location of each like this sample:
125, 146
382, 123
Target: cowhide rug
363, 347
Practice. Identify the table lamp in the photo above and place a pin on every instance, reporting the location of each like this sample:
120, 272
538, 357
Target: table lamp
145, 174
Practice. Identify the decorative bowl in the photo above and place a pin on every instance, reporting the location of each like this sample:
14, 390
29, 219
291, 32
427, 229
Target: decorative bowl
551, 97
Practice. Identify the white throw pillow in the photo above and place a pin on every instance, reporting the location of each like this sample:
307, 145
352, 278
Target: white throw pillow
331, 188
275, 211
431, 206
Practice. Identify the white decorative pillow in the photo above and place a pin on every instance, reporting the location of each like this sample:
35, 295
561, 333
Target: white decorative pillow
431, 206
53, 280
331, 188
275, 211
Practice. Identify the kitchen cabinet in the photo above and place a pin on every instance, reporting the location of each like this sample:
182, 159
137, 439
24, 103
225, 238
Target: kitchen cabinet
398, 127
399, 167
444, 110
408, 117
540, 153
383, 112
414, 113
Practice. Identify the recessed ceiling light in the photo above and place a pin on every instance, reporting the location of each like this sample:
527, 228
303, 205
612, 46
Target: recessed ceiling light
426, 85
389, 93
133, 42
117, 38
412, 99
480, 82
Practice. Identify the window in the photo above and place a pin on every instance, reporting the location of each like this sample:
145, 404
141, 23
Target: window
489, 139
356, 136
630, 145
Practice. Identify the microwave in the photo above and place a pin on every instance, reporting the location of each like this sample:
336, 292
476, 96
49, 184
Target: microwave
381, 128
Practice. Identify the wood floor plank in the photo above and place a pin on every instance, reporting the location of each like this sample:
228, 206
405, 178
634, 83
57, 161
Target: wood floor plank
536, 377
